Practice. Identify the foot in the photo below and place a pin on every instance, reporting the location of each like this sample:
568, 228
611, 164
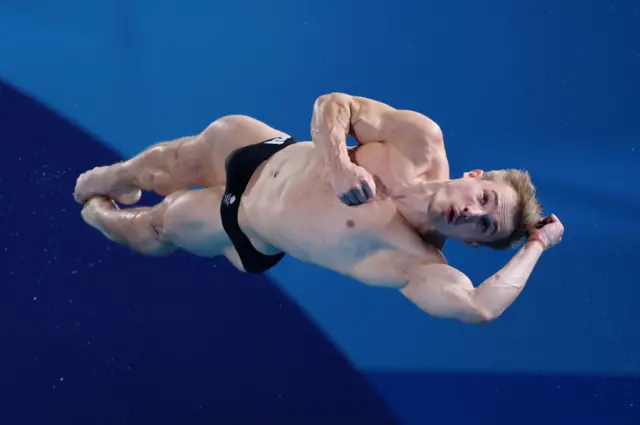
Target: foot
103, 181
93, 211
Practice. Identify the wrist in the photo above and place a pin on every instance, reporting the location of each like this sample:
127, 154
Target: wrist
538, 240
340, 163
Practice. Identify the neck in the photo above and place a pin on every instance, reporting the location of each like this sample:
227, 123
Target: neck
411, 197
413, 201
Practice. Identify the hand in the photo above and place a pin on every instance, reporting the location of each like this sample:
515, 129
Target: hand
353, 185
549, 231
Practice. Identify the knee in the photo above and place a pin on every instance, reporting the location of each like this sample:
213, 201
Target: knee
229, 123
232, 120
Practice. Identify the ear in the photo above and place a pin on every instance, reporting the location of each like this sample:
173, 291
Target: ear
473, 174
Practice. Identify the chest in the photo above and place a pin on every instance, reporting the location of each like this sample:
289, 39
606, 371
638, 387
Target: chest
292, 206
394, 170
305, 219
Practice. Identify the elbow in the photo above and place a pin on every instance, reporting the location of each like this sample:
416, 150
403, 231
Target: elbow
477, 315
331, 112
321, 100
331, 97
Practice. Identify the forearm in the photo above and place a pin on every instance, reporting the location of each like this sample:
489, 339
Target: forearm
330, 126
332, 146
498, 292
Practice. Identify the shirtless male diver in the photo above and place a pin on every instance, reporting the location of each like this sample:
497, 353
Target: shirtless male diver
379, 213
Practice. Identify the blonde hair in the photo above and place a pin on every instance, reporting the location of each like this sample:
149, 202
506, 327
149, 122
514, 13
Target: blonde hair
528, 211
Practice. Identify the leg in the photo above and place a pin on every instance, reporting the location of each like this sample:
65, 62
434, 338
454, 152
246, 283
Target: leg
138, 228
188, 220
181, 164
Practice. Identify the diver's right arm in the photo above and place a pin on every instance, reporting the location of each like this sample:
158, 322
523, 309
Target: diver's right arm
332, 119
445, 292
337, 115
330, 124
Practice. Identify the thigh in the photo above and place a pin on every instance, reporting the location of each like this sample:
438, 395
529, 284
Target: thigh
192, 222
230, 133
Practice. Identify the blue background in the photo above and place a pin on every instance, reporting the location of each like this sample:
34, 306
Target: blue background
91, 333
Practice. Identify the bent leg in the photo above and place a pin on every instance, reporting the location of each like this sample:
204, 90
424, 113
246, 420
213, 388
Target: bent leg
192, 222
188, 220
140, 229
177, 165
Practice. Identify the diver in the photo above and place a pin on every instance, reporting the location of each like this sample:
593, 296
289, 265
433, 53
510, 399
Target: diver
379, 212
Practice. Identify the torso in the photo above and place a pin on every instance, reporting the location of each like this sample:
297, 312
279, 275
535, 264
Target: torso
289, 206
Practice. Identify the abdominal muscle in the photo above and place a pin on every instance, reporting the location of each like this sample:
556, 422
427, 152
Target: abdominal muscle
290, 207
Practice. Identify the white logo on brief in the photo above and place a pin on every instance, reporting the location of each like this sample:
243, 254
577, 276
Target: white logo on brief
229, 199
277, 141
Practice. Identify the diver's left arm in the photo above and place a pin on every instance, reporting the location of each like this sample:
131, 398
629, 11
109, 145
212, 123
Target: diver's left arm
445, 292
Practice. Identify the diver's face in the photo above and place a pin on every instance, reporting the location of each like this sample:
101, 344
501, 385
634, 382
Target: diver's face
474, 210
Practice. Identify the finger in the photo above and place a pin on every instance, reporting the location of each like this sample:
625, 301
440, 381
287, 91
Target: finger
359, 196
368, 192
352, 198
345, 199
543, 222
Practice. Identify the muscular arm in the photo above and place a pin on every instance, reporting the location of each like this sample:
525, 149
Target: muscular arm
337, 115
443, 291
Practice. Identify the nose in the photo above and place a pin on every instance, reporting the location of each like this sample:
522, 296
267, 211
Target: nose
469, 212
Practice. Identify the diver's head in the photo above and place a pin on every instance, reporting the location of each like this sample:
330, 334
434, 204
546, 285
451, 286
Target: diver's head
495, 209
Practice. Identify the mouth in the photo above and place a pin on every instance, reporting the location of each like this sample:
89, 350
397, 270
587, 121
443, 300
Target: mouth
452, 213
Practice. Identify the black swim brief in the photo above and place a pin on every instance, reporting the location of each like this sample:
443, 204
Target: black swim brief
240, 166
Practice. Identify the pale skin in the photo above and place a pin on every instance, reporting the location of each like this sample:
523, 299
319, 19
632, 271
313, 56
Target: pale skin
313, 203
